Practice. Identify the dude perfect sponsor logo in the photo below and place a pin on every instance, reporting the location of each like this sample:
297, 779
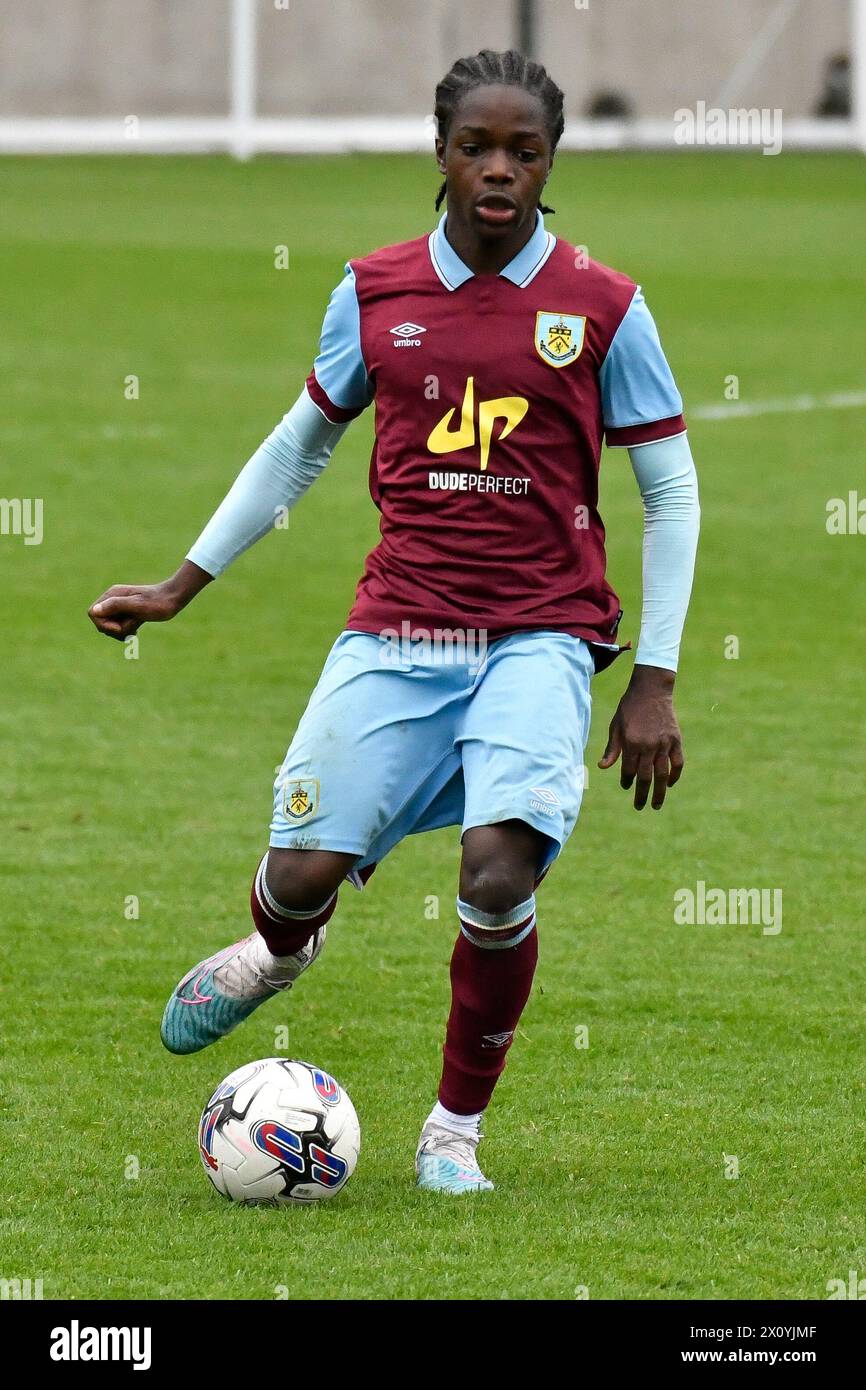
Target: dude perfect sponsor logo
448, 437
477, 482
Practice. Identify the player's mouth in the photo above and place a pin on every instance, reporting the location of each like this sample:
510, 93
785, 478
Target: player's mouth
496, 210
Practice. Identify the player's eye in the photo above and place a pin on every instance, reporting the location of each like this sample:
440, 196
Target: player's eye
470, 150
527, 156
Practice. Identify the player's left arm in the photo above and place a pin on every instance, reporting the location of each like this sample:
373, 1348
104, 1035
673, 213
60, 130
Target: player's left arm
643, 411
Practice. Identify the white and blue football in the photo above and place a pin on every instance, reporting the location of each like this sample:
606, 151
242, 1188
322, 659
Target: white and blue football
278, 1132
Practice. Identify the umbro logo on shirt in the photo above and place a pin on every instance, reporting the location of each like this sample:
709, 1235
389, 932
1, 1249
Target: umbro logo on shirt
406, 334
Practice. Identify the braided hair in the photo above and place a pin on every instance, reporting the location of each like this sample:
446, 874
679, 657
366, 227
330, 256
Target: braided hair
487, 69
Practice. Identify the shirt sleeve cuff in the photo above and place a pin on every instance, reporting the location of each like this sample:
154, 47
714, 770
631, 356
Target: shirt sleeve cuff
337, 414
645, 656
206, 562
649, 432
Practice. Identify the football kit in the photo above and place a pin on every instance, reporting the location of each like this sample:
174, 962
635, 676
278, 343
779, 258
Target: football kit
459, 691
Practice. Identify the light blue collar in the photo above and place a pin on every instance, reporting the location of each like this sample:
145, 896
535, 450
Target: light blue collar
523, 268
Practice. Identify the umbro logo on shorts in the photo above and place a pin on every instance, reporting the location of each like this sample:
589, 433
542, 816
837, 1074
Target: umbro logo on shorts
545, 794
406, 334
544, 800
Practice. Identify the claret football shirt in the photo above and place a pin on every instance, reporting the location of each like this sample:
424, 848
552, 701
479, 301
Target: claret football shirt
492, 396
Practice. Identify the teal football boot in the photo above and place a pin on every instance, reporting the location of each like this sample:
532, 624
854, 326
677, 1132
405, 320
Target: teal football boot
221, 991
446, 1162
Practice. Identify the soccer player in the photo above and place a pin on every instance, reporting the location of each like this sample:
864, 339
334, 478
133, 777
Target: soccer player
498, 356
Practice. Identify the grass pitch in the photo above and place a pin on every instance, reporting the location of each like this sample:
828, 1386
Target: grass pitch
151, 778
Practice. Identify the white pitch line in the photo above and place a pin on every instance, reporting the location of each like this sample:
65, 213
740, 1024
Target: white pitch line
734, 410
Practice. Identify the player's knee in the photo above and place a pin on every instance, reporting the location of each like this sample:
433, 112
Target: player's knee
500, 865
494, 884
302, 880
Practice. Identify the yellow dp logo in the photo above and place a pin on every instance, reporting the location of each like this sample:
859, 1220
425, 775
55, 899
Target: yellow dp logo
559, 337
445, 440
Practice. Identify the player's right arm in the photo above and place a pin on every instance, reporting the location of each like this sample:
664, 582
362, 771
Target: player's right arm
278, 474
643, 412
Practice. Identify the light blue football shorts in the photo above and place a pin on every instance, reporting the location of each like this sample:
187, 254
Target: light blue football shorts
399, 738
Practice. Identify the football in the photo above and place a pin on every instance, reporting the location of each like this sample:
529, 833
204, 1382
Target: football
276, 1132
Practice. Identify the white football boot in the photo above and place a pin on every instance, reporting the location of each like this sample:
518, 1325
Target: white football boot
221, 991
446, 1162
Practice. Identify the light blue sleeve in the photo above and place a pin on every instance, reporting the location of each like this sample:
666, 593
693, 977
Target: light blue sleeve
668, 484
339, 368
637, 385
279, 472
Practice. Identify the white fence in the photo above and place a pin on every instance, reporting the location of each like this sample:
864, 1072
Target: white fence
244, 129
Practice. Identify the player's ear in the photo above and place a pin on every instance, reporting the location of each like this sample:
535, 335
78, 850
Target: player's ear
439, 146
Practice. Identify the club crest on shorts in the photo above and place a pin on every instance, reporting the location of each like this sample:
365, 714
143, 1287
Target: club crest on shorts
301, 799
559, 337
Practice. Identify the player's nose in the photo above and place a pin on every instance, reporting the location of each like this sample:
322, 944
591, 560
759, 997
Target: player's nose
497, 168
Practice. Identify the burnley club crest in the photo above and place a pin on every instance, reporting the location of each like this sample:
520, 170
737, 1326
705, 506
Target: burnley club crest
301, 799
559, 337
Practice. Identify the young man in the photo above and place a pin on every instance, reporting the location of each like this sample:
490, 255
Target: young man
497, 358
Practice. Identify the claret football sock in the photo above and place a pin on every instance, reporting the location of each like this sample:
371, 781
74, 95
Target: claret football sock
284, 930
492, 968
